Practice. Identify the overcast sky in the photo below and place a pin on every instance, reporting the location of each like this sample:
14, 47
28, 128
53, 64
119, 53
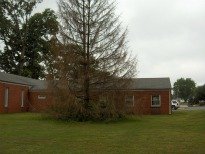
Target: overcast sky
168, 36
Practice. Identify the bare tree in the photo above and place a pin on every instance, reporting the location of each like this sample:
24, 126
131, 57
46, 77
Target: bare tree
93, 53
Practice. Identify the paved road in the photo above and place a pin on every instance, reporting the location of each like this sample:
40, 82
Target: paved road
185, 107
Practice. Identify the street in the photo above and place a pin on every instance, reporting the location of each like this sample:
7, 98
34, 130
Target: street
185, 107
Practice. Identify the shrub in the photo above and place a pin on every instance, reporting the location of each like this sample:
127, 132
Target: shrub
66, 106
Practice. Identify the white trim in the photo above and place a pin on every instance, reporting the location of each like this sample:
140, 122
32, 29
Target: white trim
6, 97
170, 106
144, 90
131, 90
41, 97
159, 101
23, 85
22, 98
133, 99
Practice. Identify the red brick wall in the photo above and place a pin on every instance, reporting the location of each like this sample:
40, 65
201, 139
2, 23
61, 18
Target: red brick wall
37, 102
14, 98
142, 101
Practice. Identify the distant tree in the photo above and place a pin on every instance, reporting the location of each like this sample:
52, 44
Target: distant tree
200, 93
184, 88
25, 36
41, 28
93, 52
14, 16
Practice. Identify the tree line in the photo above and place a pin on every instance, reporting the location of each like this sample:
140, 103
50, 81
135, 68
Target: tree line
26, 37
83, 49
185, 88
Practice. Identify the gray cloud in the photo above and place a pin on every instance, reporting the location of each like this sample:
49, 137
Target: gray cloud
168, 37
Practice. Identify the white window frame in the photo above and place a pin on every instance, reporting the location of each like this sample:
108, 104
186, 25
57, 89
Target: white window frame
159, 105
133, 100
6, 97
22, 98
41, 97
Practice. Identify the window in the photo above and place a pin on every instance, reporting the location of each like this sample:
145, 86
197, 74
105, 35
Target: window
6, 97
22, 99
129, 101
41, 97
103, 101
156, 101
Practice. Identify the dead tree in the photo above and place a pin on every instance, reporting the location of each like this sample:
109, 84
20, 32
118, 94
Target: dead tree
94, 52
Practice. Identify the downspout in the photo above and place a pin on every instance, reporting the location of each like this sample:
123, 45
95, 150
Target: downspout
170, 109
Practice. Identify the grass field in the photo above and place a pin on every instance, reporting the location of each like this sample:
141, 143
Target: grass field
182, 132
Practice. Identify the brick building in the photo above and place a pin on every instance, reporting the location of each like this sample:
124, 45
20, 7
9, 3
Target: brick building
22, 94
149, 96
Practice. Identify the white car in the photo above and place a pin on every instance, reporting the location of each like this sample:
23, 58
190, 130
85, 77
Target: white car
175, 104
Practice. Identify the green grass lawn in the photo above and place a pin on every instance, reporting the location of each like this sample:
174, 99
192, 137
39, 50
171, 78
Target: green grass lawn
181, 132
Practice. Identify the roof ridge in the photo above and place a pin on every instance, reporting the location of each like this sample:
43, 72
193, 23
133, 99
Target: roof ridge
138, 83
152, 78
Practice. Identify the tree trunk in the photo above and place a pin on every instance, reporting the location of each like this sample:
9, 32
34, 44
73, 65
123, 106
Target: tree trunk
86, 61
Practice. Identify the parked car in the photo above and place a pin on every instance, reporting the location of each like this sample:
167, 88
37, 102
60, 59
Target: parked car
175, 104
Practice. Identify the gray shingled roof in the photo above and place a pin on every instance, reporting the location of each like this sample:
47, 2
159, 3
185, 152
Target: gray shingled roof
150, 83
137, 84
11, 78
